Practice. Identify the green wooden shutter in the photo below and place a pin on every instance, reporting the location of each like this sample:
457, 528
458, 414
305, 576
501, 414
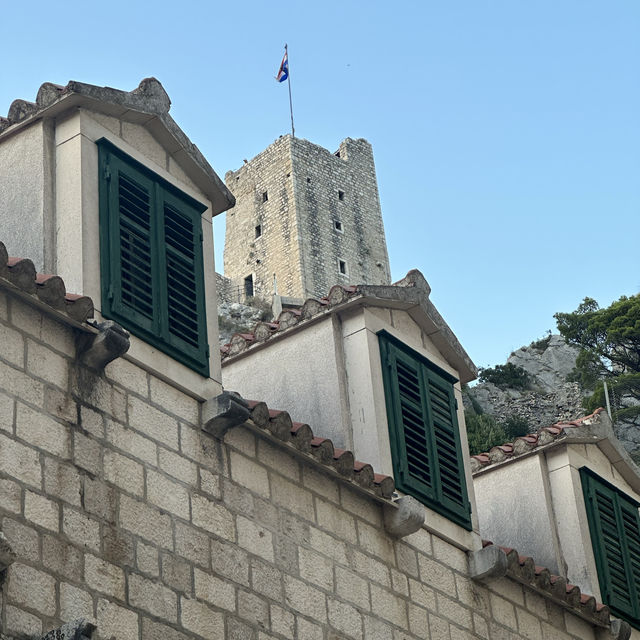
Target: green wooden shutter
131, 285
614, 525
442, 407
186, 312
423, 430
152, 267
415, 460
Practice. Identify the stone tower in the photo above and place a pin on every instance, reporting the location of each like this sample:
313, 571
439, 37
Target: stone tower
305, 219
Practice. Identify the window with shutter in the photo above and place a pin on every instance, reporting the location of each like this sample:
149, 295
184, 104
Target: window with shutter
152, 270
423, 430
614, 525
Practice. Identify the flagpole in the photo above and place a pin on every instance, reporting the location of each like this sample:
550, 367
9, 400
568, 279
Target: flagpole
293, 131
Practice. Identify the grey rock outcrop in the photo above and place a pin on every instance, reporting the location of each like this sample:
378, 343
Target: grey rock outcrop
550, 397
549, 361
234, 317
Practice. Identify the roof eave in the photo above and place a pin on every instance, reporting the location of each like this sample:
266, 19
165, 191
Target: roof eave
148, 105
415, 301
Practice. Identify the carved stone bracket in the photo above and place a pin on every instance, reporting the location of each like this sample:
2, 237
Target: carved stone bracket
488, 564
223, 412
98, 350
404, 517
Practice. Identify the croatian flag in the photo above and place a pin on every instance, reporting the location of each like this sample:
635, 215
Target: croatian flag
283, 72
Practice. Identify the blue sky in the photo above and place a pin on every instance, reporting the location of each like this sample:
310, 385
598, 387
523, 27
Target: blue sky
506, 133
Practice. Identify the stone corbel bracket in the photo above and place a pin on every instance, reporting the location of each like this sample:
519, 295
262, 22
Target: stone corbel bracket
97, 350
80, 629
224, 412
488, 564
403, 517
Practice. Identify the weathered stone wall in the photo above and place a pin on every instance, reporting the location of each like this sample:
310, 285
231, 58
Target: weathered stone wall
320, 208
277, 249
123, 511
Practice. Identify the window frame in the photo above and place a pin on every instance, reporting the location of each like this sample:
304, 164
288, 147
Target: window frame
157, 327
592, 485
434, 384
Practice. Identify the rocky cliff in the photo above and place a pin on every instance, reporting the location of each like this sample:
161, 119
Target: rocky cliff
234, 317
549, 397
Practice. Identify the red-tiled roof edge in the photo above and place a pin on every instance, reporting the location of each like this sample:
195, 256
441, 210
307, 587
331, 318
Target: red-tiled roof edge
530, 442
288, 318
523, 569
20, 275
413, 291
300, 437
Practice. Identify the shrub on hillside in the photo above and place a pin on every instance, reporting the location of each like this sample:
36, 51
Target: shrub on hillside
506, 375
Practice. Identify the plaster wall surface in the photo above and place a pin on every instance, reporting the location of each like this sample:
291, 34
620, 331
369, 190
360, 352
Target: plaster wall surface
319, 218
122, 510
49, 173
512, 495
300, 374
22, 202
569, 506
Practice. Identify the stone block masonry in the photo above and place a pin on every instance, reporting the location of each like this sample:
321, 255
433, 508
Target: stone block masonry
121, 510
305, 219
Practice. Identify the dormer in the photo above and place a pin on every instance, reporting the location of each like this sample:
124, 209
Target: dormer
570, 496
102, 187
380, 369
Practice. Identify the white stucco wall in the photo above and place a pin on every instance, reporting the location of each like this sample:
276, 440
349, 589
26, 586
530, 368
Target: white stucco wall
22, 200
514, 494
297, 374
570, 510
544, 491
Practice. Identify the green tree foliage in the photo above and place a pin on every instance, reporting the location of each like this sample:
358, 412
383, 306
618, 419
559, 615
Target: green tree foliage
609, 342
515, 426
484, 431
506, 375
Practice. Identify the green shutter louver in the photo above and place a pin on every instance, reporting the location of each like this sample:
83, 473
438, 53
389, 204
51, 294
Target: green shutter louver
184, 290
423, 430
152, 267
445, 430
134, 221
614, 525
415, 429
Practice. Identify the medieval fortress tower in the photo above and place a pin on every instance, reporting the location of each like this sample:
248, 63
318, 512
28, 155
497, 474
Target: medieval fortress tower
305, 219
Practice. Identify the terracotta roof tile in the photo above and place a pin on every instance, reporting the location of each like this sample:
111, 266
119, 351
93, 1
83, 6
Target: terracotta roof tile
524, 570
299, 436
529, 442
20, 274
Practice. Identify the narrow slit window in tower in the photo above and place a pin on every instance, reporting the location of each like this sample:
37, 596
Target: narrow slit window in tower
248, 287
